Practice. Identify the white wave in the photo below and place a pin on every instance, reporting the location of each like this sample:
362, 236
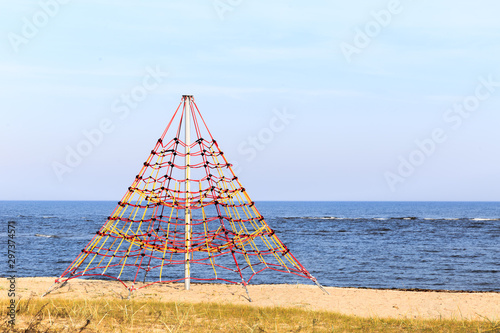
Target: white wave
333, 218
46, 236
389, 218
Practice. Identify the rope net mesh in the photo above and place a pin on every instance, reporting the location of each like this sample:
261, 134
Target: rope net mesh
144, 239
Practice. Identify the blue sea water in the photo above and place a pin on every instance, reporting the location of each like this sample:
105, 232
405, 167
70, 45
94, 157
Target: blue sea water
427, 245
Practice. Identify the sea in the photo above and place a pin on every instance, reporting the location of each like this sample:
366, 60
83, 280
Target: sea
401, 245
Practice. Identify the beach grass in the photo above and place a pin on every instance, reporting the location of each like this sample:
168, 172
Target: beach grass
114, 315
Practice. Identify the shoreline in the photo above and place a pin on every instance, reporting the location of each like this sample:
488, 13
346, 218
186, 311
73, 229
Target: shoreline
420, 290
362, 302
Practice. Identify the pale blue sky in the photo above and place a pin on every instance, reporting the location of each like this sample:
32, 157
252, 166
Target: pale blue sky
354, 120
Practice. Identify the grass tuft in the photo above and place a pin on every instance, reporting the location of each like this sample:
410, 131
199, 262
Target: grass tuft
107, 315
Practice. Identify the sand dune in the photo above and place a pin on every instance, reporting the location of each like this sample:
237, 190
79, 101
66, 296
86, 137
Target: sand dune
351, 301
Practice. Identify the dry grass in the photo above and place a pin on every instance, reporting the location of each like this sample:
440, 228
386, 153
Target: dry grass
103, 315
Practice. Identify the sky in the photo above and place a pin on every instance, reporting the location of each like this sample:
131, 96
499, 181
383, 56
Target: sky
310, 100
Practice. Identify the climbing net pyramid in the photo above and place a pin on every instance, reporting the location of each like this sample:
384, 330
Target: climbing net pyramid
185, 209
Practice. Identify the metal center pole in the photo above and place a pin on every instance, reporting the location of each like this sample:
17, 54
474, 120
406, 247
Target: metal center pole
187, 210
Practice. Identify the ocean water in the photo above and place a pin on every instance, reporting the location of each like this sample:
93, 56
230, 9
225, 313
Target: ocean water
426, 245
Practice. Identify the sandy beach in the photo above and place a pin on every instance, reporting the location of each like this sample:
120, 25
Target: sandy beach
350, 301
